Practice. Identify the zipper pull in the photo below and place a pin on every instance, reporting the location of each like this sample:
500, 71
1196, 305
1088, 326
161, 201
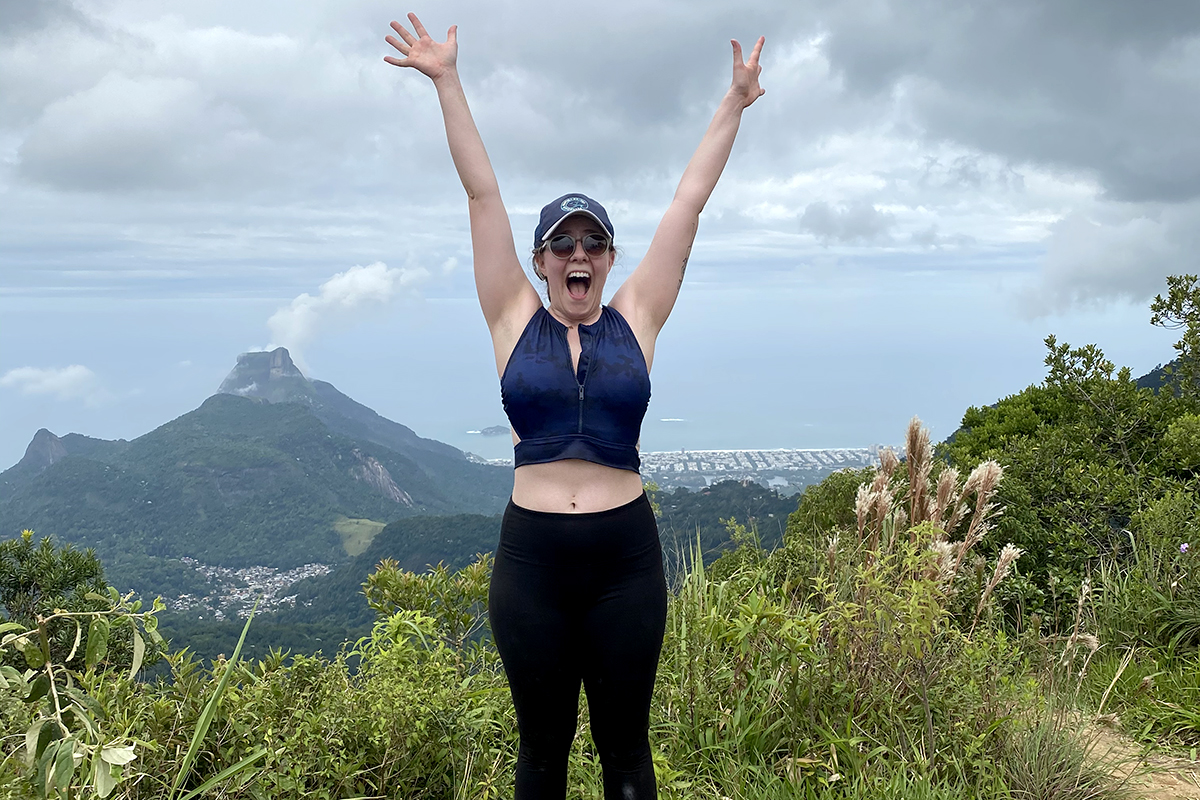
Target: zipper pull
581, 392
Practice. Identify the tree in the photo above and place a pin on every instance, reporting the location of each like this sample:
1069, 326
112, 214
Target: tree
1180, 309
37, 579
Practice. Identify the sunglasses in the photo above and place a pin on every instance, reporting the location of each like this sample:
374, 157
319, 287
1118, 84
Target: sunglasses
563, 245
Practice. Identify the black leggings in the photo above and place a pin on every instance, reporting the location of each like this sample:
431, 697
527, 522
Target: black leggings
580, 598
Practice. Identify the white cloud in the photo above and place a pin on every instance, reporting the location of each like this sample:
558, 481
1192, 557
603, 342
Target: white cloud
860, 222
1112, 251
133, 133
75, 381
341, 300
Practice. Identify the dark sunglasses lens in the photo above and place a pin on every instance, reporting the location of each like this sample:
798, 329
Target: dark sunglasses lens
563, 246
595, 245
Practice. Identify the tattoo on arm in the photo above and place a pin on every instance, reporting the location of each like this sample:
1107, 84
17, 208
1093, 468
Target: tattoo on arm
686, 256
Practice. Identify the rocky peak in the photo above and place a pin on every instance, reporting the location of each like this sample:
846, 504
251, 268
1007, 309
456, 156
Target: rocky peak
44, 450
268, 375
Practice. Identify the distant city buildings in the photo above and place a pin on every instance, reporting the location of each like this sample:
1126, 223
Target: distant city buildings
234, 591
788, 471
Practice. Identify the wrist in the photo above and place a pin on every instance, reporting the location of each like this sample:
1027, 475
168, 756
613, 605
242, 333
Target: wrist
448, 77
734, 101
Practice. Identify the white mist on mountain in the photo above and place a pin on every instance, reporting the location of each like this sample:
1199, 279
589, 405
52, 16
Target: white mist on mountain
344, 300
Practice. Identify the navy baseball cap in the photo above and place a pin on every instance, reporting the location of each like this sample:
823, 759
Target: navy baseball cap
557, 210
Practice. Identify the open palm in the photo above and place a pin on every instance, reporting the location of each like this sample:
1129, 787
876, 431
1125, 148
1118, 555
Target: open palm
420, 51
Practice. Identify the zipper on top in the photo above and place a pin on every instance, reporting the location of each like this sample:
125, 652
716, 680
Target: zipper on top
574, 370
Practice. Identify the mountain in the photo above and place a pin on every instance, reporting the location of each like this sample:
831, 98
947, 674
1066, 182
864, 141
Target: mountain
267, 471
275, 378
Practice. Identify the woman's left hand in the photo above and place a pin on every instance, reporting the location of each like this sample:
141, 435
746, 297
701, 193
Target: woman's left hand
745, 74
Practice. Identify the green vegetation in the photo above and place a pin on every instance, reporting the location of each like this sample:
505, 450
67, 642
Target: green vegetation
840, 667
357, 534
330, 610
49, 589
948, 626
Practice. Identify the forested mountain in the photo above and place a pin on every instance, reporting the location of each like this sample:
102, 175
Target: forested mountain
258, 474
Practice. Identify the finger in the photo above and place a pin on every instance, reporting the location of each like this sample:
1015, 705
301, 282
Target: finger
756, 51
396, 62
404, 34
396, 43
417, 26
452, 35
737, 52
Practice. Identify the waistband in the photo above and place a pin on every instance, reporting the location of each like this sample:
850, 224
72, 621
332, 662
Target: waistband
564, 516
557, 538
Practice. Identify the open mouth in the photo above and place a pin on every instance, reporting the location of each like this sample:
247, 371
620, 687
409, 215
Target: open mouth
578, 283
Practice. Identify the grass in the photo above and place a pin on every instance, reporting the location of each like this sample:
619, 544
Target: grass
1156, 697
357, 534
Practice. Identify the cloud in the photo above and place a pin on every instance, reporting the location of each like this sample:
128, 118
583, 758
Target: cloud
1114, 253
858, 223
135, 133
341, 300
1104, 87
223, 136
65, 383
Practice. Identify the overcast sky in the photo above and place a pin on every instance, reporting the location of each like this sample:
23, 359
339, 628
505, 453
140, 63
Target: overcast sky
928, 189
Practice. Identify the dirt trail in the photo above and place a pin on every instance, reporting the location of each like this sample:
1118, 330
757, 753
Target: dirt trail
1149, 776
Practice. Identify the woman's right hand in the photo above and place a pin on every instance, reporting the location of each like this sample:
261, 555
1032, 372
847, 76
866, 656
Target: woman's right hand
421, 52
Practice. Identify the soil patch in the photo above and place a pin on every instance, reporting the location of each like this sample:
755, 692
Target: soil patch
1147, 775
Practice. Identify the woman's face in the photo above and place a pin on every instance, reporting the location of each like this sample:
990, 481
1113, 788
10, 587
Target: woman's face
576, 282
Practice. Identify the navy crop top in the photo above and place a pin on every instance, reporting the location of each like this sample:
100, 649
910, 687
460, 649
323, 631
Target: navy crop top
595, 413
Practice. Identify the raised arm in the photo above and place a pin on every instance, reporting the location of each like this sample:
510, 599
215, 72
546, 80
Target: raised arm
648, 295
499, 279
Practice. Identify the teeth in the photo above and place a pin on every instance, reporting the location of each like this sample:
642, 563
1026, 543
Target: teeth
578, 275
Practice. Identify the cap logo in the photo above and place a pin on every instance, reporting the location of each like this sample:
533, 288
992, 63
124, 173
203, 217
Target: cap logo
574, 204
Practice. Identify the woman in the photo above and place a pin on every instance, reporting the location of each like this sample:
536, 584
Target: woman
577, 593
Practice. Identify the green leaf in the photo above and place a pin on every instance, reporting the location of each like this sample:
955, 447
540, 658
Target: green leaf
46, 737
10, 626
34, 656
87, 720
32, 737
12, 637
97, 641
107, 776
64, 765
139, 650
46, 768
39, 689
13, 678
118, 755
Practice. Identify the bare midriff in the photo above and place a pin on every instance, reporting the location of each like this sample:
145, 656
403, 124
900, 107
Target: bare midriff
574, 486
